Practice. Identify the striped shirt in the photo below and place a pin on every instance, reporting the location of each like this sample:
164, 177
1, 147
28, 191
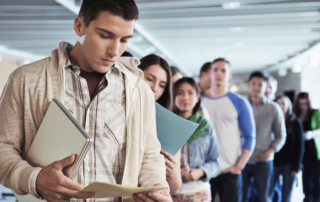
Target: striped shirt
104, 120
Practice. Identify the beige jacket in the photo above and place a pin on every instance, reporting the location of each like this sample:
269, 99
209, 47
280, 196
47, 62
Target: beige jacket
26, 98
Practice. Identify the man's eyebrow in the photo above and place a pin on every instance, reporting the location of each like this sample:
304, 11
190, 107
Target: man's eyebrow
108, 32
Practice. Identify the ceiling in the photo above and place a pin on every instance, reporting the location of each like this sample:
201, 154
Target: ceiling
188, 33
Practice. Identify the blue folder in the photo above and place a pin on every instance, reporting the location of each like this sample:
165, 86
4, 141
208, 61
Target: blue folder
173, 131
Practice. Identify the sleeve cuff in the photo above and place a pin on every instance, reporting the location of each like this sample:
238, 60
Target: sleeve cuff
276, 147
152, 183
249, 144
33, 183
207, 176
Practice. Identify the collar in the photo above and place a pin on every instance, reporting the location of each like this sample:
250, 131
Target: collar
263, 101
127, 65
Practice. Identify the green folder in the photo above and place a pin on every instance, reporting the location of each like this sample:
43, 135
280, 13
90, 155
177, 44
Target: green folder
173, 131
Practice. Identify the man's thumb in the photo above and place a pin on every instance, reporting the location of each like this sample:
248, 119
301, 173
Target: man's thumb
66, 161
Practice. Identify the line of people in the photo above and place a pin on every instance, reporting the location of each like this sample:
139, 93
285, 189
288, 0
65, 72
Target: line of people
270, 142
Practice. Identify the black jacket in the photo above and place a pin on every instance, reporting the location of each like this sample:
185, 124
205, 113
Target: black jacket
293, 149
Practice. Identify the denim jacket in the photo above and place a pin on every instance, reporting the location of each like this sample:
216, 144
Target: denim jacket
203, 153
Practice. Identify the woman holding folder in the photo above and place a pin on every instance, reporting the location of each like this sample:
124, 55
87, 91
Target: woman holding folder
157, 74
199, 155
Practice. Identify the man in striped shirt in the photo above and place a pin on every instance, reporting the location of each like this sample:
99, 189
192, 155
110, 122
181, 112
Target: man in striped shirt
107, 96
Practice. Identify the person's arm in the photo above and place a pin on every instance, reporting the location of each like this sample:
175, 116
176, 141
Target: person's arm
280, 134
248, 130
173, 170
211, 165
279, 130
298, 145
153, 170
312, 134
15, 173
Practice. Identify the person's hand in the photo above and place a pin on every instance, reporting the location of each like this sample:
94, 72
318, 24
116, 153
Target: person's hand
308, 135
236, 169
170, 161
293, 173
185, 171
53, 185
191, 175
160, 196
263, 157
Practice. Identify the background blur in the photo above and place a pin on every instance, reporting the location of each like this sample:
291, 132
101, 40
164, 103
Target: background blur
279, 37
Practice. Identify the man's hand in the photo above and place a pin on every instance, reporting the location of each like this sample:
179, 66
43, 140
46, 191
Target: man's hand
308, 135
236, 169
264, 156
161, 196
191, 175
53, 185
170, 161
293, 173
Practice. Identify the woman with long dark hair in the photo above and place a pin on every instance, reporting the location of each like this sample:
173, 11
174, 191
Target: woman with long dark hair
288, 161
157, 74
199, 155
311, 160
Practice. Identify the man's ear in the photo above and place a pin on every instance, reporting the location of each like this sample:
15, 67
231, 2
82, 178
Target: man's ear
79, 26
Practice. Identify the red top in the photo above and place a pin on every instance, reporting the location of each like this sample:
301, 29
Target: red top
93, 80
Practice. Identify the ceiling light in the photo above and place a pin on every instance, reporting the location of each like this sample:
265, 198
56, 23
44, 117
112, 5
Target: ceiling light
297, 68
231, 5
282, 72
235, 29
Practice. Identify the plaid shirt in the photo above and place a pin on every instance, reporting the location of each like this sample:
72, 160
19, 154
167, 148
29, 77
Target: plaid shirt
104, 120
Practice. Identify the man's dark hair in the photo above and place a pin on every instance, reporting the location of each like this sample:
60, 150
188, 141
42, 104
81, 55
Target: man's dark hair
258, 74
205, 67
90, 9
221, 60
126, 54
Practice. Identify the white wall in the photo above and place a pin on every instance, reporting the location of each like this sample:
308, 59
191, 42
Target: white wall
310, 82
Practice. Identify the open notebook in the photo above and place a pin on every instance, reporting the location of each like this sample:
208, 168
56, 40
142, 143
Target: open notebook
59, 136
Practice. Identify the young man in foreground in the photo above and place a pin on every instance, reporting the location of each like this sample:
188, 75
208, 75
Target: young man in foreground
107, 96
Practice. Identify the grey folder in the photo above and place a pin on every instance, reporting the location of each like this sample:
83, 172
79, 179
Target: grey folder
173, 131
59, 136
